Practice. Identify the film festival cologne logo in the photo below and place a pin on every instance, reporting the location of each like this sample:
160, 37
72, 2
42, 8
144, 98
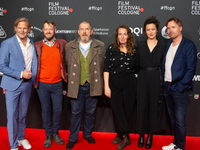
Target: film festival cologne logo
57, 10
195, 8
125, 8
2, 11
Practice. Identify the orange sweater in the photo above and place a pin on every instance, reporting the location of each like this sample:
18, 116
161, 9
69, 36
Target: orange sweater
50, 68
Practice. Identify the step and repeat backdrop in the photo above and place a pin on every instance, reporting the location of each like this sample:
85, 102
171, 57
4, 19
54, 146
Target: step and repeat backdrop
105, 16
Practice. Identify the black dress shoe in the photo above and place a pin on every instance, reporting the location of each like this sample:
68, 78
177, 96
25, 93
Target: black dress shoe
149, 141
118, 139
141, 141
90, 139
70, 145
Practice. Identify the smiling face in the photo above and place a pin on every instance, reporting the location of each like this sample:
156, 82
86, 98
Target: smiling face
151, 31
22, 30
174, 30
122, 36
49, 31
85, 32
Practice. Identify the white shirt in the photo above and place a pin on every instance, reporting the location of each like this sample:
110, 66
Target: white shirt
168, 62
27, 53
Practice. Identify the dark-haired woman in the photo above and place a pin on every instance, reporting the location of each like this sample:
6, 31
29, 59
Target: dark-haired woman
120, 83
150, 103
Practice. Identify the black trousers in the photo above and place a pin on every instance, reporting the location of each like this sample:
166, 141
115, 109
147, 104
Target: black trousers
123, 95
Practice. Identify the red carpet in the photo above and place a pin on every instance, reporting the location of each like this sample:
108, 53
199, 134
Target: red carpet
36, 138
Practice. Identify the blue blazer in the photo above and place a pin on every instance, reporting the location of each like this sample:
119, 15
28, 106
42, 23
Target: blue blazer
183, 66
12, 64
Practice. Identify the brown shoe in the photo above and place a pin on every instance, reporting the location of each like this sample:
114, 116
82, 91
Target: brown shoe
125, 142
118, 139
57, 138
47, 142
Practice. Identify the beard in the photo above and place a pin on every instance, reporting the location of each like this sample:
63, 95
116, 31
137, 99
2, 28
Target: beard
85, 40
50, 37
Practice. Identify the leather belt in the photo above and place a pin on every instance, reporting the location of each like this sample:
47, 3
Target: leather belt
151, 68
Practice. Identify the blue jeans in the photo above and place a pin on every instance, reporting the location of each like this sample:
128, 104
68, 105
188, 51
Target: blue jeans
88, 103
177, 105
17, 105
46, 93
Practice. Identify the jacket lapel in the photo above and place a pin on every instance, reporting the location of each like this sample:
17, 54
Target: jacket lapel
75, 52
18, 48
94, 50
178, 52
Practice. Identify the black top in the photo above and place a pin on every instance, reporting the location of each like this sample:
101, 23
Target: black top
150, 59
117, 62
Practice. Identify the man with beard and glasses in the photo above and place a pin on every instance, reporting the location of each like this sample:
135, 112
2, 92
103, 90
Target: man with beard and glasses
84, 60
51, 69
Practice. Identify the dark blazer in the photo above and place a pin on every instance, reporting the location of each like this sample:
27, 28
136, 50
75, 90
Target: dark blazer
183, 66
12, 64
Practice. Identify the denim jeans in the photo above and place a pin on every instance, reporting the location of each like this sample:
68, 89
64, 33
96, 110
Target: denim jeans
88, 103
17, 105
177, 105
46, 93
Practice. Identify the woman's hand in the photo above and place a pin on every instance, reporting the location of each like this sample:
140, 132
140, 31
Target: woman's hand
108, 92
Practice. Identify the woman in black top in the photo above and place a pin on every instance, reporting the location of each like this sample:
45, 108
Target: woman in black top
150, 103
120, 82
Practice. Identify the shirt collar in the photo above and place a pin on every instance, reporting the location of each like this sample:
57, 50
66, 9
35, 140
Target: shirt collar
19, 41
46, 42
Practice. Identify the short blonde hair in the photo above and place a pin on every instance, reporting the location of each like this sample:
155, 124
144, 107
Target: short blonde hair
21, 19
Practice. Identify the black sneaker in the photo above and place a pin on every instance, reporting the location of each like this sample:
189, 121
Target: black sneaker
90, 139
70, 145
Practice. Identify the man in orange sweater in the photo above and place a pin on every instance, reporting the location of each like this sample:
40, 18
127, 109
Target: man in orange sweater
51, 69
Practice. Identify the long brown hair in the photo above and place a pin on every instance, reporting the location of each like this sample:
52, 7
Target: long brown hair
130, 40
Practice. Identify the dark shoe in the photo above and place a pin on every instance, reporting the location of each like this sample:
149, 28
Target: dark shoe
118, 139
57, 138
149, 141
141, 141
47, 142
70, 145
125, 142
90, 139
